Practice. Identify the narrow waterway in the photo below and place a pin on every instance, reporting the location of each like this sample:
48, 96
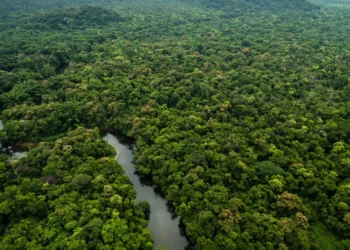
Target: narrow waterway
162, 224
15, 151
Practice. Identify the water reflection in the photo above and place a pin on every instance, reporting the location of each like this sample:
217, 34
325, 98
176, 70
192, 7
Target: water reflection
163, 223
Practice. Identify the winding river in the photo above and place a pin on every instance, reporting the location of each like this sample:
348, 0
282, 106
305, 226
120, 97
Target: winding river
162, 223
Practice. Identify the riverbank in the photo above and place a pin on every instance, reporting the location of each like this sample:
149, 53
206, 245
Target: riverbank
163, 223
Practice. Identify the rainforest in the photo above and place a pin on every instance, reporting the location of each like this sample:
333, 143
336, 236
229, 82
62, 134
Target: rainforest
237, 113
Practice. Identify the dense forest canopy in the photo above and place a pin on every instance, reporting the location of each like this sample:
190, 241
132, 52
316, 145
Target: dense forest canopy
335, 3
240, 111
69, 194
270, 5
75, 18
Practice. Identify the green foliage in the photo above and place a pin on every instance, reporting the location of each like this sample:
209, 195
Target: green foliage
325, 239
58, 198
239, 110
241, 6
75, 18
267, 168
145, 208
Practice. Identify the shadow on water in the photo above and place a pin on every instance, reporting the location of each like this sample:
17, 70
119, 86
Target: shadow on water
147, 181
163, 223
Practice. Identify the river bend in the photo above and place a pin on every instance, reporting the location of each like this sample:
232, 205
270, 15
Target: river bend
162, 224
